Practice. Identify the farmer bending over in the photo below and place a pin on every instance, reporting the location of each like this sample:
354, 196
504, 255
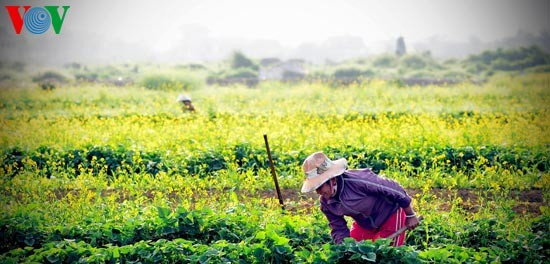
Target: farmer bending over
378, 205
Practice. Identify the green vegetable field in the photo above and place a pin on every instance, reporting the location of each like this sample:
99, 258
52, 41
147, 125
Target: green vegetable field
97, 173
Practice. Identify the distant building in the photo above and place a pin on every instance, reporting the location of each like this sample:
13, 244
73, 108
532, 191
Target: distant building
267, 62
400, 48
282, 70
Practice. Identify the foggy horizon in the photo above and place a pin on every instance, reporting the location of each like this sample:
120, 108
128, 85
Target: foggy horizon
106, 32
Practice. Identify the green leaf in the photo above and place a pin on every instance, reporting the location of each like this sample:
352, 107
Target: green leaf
371, 256
53, 258
282, 250
356, 256
163, 212
365, 248
260, 235
234, 198
125, 250
280, 240
116, 253
29, 241
259, 253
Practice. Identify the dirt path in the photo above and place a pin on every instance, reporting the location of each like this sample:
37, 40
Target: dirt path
528, 201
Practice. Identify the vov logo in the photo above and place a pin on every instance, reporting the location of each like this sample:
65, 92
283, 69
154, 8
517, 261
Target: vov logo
37, 20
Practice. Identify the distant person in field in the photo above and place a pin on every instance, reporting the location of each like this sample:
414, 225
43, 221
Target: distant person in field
186, 104
378, 205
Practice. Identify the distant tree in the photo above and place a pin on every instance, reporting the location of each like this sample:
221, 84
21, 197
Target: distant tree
400, 50
49, 80
349, 72
413, 61
385, 61
239, 60
18, 66
511, 59
241, 73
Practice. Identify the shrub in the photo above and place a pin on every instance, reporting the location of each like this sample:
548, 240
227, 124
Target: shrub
164, 82
352, 73
192, 66
49, 80
454, 74
476, 68
86, 77
512, 59
5, 76
540, 69
347, 73
242, 73
385, 61
414, 62
49, 76
420, 74
18, 66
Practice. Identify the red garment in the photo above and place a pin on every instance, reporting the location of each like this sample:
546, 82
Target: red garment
396, 221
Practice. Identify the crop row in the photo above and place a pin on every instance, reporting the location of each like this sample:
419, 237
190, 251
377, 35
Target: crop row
120, 160
266, 250
199, 226
203, 236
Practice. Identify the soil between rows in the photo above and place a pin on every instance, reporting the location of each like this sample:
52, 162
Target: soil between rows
527, 201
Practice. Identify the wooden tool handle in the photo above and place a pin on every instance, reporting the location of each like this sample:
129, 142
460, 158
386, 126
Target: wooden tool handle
402, 229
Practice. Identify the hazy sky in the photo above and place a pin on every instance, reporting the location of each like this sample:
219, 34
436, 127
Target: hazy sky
292, 22
162, 26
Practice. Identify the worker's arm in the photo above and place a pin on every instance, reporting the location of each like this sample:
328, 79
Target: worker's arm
338, 225
412, 218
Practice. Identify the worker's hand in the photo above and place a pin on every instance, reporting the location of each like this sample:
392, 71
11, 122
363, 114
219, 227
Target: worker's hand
412, 222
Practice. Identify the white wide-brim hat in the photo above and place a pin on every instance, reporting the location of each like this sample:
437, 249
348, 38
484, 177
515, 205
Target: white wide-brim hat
183, 98
319, 169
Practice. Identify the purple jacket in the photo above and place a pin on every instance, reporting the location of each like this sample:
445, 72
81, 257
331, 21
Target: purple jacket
366, 197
